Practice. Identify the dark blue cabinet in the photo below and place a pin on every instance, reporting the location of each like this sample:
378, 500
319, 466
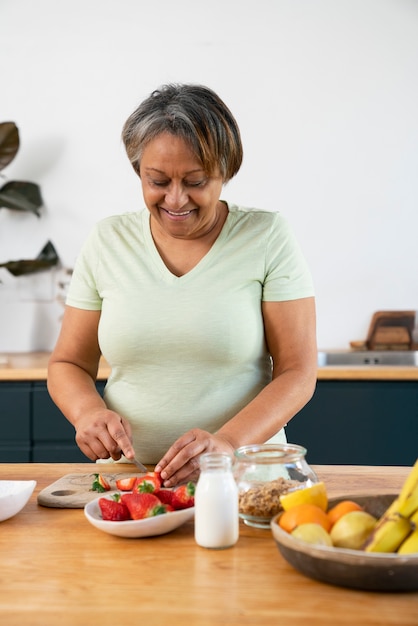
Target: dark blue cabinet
345, 423
53, 435
33, 429
15, 423
359, 423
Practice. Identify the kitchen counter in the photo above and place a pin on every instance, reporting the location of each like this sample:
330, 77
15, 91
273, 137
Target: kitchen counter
58, 569
32, 366
365, 372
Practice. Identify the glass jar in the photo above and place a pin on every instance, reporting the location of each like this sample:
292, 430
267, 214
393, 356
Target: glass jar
263, 473
216, 520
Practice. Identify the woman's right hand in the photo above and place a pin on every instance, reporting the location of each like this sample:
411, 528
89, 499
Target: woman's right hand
104, 434
72, 373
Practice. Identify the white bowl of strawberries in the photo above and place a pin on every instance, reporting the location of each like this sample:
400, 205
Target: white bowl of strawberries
141, 508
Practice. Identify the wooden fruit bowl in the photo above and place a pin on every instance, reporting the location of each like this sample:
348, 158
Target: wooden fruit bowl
350, 568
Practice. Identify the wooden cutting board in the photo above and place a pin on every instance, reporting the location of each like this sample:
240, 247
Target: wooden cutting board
73, 491
391, 330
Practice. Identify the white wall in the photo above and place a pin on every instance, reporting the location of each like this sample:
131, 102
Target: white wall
326, 95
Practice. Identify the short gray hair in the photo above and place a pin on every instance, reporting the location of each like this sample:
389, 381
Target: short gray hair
193, 112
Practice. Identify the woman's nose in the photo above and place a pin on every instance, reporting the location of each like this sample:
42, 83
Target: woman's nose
176, 196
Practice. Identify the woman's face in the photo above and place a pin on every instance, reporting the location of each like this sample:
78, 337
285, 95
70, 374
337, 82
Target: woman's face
182, 199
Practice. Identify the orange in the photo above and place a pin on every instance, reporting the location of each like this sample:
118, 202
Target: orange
304, 514
340, 509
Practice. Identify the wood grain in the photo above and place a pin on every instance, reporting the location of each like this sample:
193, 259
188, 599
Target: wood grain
58, 569
22, 366
74, 491
382, 331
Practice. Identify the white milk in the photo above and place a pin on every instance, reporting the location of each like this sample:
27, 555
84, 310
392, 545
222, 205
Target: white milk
216, 503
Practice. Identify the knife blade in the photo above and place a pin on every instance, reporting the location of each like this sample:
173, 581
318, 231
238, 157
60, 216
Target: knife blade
139, 465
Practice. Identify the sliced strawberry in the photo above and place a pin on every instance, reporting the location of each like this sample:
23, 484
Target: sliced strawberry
113, 510
100, 484
126, 484
148, 483
143, 505
165, 495
183, 496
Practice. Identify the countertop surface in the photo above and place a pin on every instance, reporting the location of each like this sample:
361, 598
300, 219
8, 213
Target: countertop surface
58, 569
32, 366
28, 366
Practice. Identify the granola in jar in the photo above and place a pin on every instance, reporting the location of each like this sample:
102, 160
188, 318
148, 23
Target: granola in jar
264, 472
263, 500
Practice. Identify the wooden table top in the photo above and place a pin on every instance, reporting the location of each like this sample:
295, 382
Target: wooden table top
32, 366
58, 569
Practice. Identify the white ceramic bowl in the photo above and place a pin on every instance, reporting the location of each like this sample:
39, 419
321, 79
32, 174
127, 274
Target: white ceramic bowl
149, 527
14, 494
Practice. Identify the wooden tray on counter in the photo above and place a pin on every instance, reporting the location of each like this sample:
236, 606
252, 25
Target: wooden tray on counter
391, 330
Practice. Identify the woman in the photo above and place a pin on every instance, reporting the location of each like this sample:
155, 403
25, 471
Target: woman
204, 310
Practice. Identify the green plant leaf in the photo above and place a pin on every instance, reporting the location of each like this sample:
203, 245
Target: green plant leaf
9, 143
21, 196
47, 258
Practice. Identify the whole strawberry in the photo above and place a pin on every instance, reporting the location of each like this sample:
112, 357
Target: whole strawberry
166, 496
113, 509
183, 496
142, 505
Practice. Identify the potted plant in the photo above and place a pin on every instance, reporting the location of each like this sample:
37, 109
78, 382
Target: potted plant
21, 196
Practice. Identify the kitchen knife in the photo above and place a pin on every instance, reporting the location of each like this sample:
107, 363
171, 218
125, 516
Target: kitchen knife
139, 465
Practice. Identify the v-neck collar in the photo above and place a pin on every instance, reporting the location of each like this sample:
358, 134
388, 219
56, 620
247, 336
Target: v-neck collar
166, 274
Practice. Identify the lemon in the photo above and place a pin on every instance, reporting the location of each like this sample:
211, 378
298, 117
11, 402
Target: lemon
312, 533
315, 494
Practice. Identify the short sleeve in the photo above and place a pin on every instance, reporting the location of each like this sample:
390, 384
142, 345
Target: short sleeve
83, 292
287, 274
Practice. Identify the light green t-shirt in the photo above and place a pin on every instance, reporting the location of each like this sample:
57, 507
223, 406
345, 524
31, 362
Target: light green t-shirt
185, 351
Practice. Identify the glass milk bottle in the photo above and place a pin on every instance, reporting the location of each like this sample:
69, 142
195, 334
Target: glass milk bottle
216, 503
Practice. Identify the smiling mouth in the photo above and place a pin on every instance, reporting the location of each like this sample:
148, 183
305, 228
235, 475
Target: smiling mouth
178, 213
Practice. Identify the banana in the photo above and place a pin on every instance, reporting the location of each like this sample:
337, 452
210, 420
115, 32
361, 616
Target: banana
408, 498
410, 545
398, 521
414, 520
389, 533
409, 490
410, 504
410, 484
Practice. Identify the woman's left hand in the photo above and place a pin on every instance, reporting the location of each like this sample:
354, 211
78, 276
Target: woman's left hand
181, 461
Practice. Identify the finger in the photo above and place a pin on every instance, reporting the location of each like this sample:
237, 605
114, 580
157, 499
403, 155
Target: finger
87, 450
92, 448
176, 456
184, 464
189, 472
121, 440
100, 441
175, 449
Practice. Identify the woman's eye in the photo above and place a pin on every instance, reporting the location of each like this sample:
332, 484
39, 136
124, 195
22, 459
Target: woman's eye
187, 183
196, 183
